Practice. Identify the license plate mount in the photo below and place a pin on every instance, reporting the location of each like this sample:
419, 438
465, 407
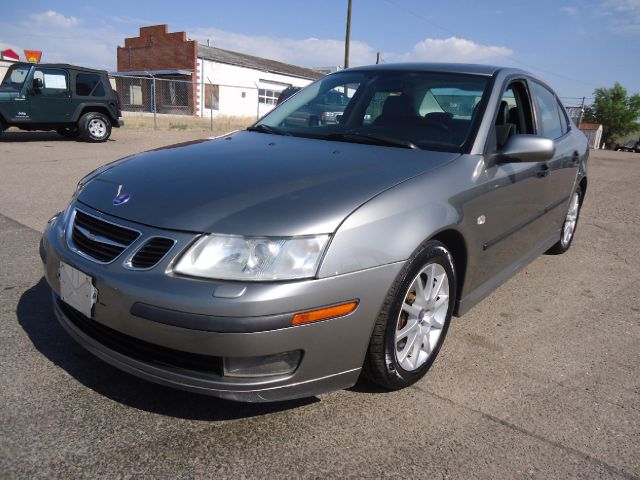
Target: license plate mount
77, 289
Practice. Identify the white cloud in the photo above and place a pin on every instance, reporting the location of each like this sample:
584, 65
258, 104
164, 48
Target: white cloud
308, 52
626, 15
572, 11
452, 49
55, 19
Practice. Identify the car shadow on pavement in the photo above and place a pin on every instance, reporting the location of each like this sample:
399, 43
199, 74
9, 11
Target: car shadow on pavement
34, 137
35, 315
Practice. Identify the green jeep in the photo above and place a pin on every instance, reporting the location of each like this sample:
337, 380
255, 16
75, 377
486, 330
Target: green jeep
73, 101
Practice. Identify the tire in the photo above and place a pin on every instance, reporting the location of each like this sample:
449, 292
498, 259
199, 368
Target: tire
570, 224
68, 132
393, 360
94, 127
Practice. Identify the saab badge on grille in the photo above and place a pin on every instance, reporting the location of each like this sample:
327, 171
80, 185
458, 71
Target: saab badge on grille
121, 197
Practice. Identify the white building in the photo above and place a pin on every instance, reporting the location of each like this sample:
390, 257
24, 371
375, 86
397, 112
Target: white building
244, 85
168, 73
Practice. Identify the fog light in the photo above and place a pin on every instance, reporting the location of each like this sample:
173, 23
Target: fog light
267, 365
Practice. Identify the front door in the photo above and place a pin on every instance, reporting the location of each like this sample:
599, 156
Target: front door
51, 103
510, 213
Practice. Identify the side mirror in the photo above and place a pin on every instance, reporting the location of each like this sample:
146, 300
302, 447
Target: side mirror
528, 148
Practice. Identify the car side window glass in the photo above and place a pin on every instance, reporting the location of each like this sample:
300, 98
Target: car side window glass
89, 85
54, 82
514, 113
550, 118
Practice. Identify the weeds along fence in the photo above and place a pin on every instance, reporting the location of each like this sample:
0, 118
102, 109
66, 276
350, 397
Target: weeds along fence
172, 103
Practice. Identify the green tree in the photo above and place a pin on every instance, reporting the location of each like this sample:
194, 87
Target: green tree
617, 112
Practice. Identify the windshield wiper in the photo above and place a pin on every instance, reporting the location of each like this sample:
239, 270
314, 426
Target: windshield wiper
267, 129
371, 139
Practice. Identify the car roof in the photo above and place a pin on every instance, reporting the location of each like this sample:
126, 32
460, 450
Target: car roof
468, 68
62, 65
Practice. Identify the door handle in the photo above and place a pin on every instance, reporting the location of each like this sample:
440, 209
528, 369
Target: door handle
543, 171
575, 159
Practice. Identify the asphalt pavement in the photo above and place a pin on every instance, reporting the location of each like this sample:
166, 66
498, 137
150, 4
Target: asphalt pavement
540, 380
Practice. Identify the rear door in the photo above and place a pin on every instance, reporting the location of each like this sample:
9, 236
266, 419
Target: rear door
52, 103
552, 122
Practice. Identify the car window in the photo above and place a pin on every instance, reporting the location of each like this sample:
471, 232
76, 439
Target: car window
14, 78
551, 121
54, 82
513, 114
427, 109
89, 85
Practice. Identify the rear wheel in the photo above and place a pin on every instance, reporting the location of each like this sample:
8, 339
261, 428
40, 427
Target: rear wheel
569, 225
414, 320
94, 127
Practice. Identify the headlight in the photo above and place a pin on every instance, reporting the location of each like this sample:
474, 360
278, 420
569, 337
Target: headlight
227, 257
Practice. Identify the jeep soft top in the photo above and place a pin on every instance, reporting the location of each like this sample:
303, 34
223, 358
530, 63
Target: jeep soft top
75, 101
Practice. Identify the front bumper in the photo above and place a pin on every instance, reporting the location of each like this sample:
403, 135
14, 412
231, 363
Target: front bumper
182, 316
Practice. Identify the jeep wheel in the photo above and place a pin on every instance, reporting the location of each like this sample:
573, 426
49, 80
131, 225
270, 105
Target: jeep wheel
69, 132
94, 127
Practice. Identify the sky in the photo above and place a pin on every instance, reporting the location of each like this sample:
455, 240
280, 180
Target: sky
575, 45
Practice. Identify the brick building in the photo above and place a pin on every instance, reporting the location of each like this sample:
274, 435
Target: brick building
195, 79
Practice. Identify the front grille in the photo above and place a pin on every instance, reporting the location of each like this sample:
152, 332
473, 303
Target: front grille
139, 349
152, 252
99, 239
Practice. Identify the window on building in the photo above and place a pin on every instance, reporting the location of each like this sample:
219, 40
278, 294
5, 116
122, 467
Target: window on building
175, 93
89, 85
130, 90
268, 97
211, 96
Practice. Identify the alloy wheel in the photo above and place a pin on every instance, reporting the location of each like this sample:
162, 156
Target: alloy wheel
422, 317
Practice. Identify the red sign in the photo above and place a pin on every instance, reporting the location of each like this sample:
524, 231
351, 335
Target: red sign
33, 55
10, 54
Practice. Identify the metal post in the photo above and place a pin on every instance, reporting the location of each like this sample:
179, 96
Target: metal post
581, 112
258, 100
346, 40
153, 88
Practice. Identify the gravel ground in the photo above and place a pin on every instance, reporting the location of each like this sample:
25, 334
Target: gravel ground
540, 380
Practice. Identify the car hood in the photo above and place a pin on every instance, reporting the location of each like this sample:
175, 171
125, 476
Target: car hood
252, 183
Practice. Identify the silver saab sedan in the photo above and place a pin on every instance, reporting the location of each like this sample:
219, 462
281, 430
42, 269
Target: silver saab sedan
286, 260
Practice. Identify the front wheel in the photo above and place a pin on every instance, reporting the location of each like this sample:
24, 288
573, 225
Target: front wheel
94, 127
414, 319
569, 225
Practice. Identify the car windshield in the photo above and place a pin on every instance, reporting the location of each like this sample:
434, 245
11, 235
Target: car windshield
428, 110
14, 78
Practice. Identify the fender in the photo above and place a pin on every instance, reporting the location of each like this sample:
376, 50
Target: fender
99, 107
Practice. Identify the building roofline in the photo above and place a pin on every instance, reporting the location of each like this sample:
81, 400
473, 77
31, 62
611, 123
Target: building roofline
257, 63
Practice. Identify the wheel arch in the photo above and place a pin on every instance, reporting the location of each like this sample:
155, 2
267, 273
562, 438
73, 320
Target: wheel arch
84, 108
454, 242
583, 188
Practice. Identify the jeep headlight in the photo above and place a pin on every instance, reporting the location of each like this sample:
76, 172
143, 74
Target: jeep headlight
228, 257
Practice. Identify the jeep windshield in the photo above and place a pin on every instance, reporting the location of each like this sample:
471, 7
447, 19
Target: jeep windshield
427, 110
14, 78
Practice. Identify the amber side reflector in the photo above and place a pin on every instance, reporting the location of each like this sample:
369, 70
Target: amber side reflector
324, 313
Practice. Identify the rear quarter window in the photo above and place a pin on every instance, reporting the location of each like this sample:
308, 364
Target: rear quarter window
89, 85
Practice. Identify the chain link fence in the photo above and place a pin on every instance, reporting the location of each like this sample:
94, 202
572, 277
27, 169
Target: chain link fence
149, 101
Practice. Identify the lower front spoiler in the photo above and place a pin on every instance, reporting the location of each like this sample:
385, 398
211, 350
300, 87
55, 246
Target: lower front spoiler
200, 385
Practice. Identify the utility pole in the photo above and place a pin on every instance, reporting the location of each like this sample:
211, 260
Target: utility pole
346, 41
378, 58
581, 112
